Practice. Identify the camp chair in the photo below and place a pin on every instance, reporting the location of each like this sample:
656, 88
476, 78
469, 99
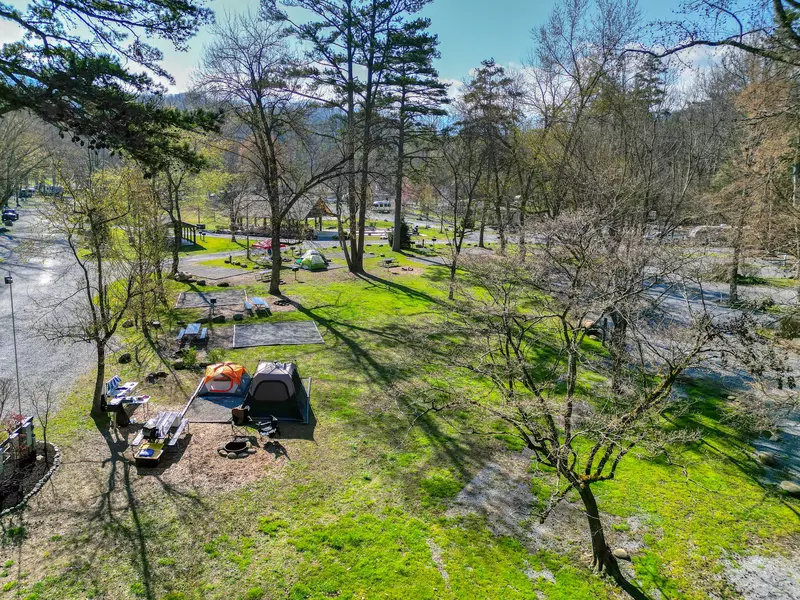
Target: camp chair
269, 429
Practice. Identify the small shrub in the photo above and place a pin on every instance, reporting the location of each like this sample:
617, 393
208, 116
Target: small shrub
300, 592
17, 534
138, 589
216, 355
190, 357
405, 236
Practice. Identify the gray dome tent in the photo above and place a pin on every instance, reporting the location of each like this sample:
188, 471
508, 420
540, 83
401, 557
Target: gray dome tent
277, 390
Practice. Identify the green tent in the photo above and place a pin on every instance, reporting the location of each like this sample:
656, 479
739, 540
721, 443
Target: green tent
313, 261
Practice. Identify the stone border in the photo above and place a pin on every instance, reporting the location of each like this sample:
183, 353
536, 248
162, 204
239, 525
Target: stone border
22, 503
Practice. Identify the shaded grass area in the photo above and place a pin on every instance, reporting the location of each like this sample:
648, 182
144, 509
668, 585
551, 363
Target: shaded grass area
360, 511
702, 504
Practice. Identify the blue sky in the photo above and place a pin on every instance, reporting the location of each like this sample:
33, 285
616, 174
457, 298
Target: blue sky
469, 31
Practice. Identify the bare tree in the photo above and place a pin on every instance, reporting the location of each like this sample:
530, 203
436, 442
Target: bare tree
524, 328
20, 153
6, 393
44, 405
95, 203
251, 72
461, 165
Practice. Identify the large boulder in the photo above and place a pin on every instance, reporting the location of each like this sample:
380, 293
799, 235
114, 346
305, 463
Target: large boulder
224, 284
621, 554
238, 317
766, 458
791, 488
182, 276
124, 358
218, 319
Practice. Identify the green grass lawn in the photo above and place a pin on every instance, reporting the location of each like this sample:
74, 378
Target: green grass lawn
216, 244
361, 511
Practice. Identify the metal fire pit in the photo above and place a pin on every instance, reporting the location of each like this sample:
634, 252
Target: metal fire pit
236, 446
236, 449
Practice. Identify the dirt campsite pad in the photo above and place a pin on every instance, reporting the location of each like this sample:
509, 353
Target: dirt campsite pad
197, 462
204, 409
203, 299
292, 333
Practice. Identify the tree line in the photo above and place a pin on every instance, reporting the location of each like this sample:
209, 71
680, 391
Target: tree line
586, 164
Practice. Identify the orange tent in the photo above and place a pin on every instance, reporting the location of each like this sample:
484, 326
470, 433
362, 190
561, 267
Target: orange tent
225, 378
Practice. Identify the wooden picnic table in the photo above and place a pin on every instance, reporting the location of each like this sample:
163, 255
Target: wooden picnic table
192, 329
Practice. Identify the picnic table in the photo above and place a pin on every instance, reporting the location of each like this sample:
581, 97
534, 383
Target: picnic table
260, 304
119, 398
388, 262
192, 332
164, 430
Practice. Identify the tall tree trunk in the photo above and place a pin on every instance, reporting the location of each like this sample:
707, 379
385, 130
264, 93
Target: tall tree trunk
523, 249
483, 224
795, 175
617, 349
275, 281
602, 559
733, 292
453, 267
398, 186
99, 382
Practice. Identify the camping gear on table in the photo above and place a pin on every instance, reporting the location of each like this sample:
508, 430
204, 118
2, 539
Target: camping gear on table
117, 399
115, 387
313, 260
162, 430
224, 379
275, 391
120, 408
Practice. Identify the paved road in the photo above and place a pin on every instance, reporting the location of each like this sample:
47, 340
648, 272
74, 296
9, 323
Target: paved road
41, 267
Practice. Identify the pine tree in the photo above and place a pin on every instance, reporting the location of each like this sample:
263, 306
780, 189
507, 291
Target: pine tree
350, 40
81, 83
491, 110
414, 91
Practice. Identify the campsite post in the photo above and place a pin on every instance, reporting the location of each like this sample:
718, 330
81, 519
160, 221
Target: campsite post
9, 280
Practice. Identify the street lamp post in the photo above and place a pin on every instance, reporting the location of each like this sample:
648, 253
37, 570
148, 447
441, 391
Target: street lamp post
9, 280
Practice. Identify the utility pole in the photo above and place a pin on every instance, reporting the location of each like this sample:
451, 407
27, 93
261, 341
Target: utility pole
9, 280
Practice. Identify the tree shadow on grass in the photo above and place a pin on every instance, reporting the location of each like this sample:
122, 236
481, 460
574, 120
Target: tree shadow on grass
386, 375
705, 416
117, 519
398, 287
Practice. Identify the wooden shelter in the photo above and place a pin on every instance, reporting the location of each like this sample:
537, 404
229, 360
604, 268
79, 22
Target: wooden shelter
318, 211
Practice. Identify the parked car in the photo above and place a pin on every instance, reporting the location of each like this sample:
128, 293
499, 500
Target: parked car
9, 214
